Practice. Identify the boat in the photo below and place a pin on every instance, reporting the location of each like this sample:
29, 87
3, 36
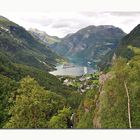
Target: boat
68, 66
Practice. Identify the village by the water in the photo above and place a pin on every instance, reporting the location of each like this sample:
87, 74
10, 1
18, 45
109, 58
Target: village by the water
82, 78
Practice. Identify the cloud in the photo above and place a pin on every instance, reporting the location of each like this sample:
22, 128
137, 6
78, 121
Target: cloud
65, 22
126, 13
61, 25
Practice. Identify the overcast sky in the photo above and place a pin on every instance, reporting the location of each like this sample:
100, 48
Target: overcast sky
61, 17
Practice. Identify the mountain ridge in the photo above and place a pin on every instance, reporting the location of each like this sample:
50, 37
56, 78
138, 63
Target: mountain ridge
43, 36
23, 48
89, 44
131, 39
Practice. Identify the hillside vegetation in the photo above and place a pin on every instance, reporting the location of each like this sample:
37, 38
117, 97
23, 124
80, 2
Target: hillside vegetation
26, 83
30, 97
21, 47
116, 103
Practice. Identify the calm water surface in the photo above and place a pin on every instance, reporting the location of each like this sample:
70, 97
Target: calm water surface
72, 71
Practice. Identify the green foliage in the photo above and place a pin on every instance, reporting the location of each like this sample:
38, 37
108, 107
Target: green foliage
134, 90
18, 71
23, 48
33, 106
132, 39
85, 112
86, 121
15, 72
113, 105
7, 86
126, 53
73, 99
44, 102
61, 120
113, 102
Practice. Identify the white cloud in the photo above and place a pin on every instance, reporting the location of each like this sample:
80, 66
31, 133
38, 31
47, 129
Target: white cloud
60, 17
62, 23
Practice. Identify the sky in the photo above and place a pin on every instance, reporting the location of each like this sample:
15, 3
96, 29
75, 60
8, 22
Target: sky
61, 17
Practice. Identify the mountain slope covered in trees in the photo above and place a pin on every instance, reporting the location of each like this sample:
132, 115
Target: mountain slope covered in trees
21, 47
26, 83
132, 39
116, 103
90, 45
30, 97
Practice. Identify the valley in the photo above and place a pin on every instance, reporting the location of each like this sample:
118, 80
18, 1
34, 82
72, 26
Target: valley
92, 45
88, 79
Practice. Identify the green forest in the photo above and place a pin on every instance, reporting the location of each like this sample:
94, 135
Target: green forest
31, 97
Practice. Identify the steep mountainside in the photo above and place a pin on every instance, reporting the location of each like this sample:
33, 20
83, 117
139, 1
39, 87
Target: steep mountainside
44, 37
115, 104
132, 39
119, 95
30, 97
21, 47
23, 75
89, 45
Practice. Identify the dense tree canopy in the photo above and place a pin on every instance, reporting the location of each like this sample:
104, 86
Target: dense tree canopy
61, 120
33, 105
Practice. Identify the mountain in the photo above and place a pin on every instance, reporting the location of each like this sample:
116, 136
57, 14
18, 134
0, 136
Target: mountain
133, 38
30, 97
25, 59
43, 36
22, 55
119, 95
130, 40
89, 45
21, 47
115, 104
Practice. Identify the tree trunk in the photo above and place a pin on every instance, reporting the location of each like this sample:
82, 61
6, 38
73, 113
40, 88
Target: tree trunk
128, 103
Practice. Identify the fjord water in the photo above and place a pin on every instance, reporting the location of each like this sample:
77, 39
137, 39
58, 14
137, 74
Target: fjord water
72, 71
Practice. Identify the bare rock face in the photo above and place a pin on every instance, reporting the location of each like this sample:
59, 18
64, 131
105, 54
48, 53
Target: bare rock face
97, 117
